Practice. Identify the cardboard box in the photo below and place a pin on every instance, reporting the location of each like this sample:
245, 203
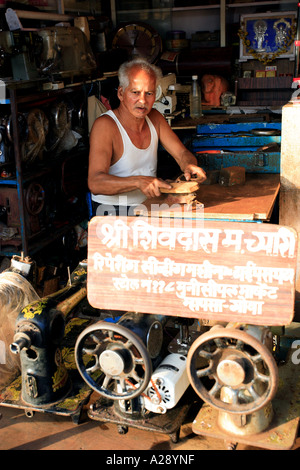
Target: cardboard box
260, 73
270, 73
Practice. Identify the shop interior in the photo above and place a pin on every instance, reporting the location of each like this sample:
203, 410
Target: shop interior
86, 363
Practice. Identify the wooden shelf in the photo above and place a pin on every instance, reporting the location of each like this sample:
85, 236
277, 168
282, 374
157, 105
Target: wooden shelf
265, 82
270, 91
210, 6
239, 4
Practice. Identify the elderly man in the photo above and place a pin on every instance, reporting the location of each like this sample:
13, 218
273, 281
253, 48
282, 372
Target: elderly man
124, 142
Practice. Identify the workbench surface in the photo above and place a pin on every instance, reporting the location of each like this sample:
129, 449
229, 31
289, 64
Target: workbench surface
252, 201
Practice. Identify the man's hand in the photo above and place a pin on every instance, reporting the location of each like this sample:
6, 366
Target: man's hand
194, 171
151, 186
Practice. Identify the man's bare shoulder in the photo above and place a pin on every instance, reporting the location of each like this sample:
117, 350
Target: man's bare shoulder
104, 124
155, 115
157, 118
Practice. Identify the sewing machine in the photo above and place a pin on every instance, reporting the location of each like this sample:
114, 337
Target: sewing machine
166, 100
45, 332
59, 51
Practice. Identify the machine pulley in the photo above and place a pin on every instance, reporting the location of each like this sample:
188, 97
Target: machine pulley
233, 360
113, 360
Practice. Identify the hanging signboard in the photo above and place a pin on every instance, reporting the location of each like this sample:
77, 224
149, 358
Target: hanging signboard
223, 271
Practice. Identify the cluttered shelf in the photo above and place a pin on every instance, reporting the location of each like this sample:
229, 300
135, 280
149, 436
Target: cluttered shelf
219, 116
275, 91
43, 176
265, 82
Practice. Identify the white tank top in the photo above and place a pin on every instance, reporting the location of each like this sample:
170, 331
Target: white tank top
133, 162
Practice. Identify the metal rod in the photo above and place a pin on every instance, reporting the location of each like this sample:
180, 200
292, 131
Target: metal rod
41, 15
19, 175
60, 7
223, 23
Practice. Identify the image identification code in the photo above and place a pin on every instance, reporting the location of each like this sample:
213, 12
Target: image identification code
158, 459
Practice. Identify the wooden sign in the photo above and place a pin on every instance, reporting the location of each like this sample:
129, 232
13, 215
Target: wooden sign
223, 271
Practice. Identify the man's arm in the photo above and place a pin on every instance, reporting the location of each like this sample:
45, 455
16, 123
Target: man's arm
102, 152
173, 145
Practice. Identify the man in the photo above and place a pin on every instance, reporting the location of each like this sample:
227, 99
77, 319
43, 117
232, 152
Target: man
123, 143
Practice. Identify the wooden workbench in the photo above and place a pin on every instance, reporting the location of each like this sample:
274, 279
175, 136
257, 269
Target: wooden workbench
252, 201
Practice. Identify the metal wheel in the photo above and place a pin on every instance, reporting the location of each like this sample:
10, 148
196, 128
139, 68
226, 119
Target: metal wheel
231, 358
35, 198
113, 361
38, 126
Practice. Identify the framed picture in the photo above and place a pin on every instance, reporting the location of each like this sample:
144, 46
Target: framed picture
268, 36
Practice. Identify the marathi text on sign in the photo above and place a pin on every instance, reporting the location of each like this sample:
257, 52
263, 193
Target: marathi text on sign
218, 270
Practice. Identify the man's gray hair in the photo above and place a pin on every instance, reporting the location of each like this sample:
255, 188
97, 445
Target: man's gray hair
141, 63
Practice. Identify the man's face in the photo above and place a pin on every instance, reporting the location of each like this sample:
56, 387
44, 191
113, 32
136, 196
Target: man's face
139, 96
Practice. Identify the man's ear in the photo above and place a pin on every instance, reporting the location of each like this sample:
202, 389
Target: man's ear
120, 93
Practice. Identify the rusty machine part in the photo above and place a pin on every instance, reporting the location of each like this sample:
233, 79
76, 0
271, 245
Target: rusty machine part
44, 339
39, 207
22, 127
5, 153
119, 355
117, 360
66, 52
232, 358
182, 191
60, 120
34, 145
138, 39
40, 328
233, 370
33, 129
35, 198
249, 397
58, 52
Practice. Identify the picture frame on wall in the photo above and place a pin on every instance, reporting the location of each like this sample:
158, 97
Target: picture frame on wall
267, 36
